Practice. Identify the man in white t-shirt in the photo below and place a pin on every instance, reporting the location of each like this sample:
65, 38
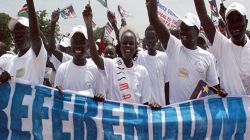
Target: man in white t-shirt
30, 62
156, 64
187, 63
79, 74
232, 54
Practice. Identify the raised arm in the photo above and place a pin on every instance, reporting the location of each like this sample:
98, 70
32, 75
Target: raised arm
87, 16
161, 30
45, 43
34, 28
112, 20
52, 42
206, 22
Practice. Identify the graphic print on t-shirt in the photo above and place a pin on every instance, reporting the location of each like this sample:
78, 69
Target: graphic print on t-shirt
183, 73
20, 72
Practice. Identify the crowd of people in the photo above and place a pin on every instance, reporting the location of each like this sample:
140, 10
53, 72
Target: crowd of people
165, 69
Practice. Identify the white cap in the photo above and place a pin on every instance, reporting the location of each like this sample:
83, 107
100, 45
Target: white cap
22, 20
98, 40
235, 6
203, 36
192, 20
65, 42
79, 29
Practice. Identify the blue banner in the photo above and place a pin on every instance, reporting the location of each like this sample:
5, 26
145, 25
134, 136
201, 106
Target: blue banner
37, 112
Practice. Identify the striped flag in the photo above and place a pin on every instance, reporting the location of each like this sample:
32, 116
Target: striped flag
68, 12
108, 28
107, 32
23, 12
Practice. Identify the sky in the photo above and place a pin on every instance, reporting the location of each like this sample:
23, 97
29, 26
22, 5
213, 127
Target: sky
136, 7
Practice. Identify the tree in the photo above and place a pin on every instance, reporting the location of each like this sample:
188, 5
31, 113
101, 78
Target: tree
98, 32
4, 32
44, 22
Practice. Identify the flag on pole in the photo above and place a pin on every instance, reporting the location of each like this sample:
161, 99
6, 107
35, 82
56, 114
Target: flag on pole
104, 3
201, 90
68, 12
123, 12
214, 9
214, 12
108, 28
23, 12
107, 32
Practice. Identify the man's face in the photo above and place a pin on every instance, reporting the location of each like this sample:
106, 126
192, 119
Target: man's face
78, 45
20, 36
151, 40
110, 52
188, 35
236, 26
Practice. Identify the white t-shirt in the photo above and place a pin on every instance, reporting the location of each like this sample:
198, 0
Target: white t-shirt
186, 67
66, 57
157, 69
234, 64
4, 59
139, 82
29, 67
72, 77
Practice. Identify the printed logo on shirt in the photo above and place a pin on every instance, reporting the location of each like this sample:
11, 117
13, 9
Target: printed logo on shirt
20, 72
87, 85
183, 73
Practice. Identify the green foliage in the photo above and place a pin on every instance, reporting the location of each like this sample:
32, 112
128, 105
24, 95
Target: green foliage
98, 33
4, 31
43, 20
45, 24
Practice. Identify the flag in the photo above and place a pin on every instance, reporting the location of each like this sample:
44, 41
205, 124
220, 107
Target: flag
104, 3
68, 12
201, 90
214, 13
107, 32
108, 28
214, 9
23, 12
123, 12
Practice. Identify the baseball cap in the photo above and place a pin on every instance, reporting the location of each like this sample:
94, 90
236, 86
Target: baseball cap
191, 20
65, 42
203, 36
79, 29
235, 6
22, 20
